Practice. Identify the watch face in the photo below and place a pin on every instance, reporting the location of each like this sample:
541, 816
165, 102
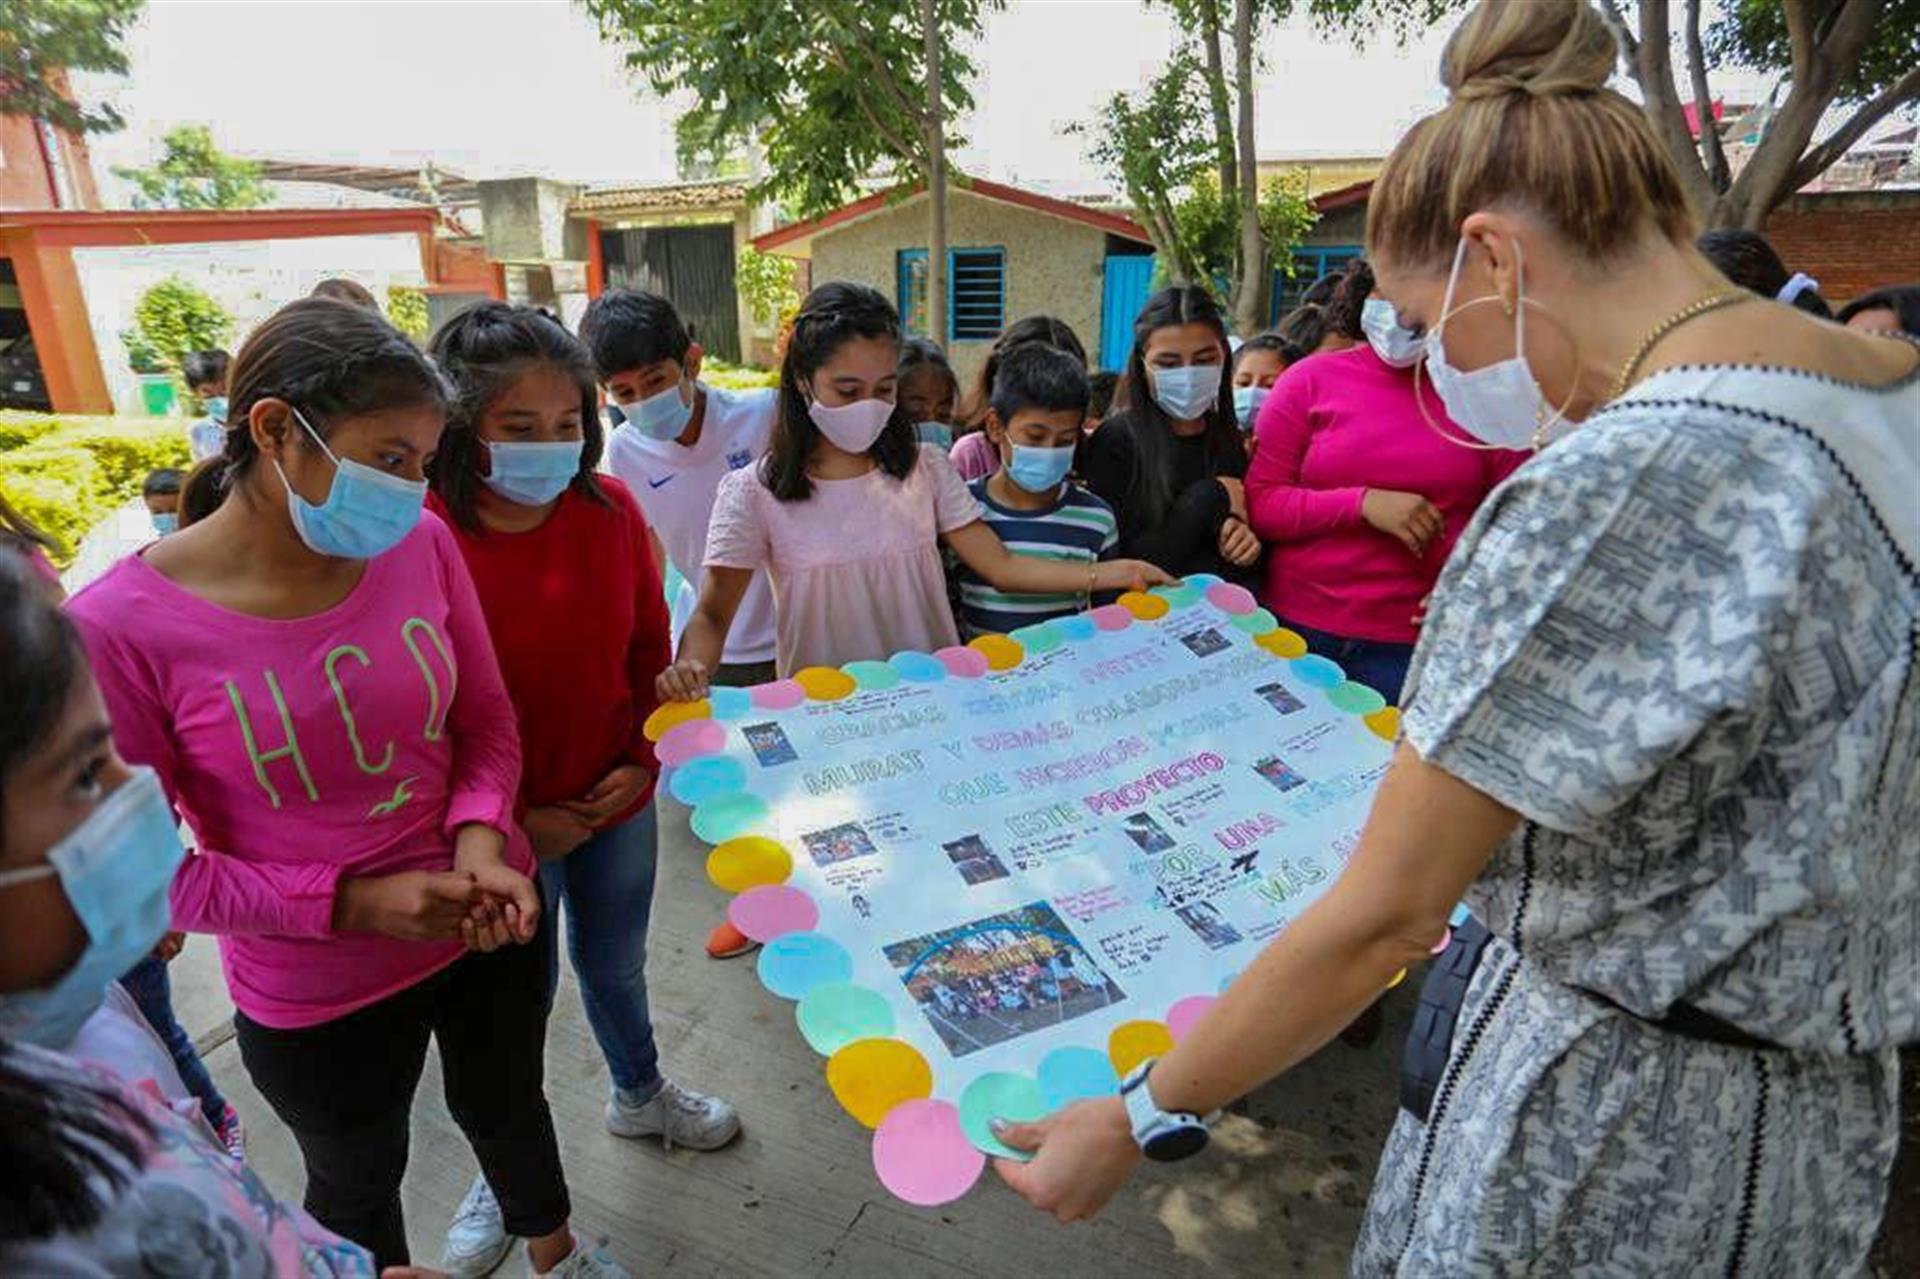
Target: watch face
1179, 1143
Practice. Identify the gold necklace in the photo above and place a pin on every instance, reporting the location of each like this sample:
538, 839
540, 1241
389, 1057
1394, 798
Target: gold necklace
1692, 310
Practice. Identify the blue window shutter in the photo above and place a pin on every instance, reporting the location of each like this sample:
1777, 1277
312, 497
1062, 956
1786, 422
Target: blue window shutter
976, 294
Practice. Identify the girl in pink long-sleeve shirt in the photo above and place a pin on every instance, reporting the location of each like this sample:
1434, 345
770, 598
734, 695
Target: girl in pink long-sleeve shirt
309, 673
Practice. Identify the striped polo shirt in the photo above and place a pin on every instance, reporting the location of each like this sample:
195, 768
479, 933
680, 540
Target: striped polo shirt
1079, 529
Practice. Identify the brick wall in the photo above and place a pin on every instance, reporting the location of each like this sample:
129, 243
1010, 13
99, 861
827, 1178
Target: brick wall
1850, 241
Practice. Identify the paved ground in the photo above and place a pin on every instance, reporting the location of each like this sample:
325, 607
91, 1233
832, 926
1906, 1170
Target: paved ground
1281, 1193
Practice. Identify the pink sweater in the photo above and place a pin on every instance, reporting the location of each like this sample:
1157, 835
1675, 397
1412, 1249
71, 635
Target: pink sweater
1335, 426
349, 743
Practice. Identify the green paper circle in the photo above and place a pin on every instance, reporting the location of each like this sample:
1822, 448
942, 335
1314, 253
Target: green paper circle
1185, 595
833, 1016
722, 819
1042, 637
1000, 1095
872, 676
1355, 698
1258, 622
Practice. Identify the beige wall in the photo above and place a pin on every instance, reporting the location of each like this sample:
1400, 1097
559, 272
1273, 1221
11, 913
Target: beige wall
1054, 266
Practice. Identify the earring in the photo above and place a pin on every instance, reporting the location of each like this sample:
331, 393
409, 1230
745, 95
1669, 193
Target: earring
1506, 307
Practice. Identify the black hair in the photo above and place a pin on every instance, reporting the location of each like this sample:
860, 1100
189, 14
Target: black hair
40, 662
1041, 377
924, 353
1350, 300
1100, 388
202, 367
630, 329
202, 491
162, 482
832, 315
331, 360
1902, 299
1045, 330
483, 351
1305, 327
352, 292
1150, 491
1268, 341
1321, 291
1749, 260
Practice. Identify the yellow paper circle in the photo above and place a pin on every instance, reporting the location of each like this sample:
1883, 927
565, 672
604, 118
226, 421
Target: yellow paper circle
1002, 654
1132, 1042
672, 714
1385, 722
1283, 643
1144, 606
748, 862
825, 684
871, 1076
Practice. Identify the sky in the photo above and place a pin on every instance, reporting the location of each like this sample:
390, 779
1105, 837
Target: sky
491, 88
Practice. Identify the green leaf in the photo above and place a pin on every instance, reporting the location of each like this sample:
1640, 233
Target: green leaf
195, 174
41, 41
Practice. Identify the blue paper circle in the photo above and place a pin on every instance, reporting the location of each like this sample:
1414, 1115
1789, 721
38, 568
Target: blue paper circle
1074, 1074
730, 703
918, 668
1201, 580
1076, 627
699, 781
1317, 671
792, 965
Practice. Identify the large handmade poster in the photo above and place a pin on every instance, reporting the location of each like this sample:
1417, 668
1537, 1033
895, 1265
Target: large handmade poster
995, 878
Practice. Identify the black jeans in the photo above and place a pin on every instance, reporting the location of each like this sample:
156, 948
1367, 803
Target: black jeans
345, 1088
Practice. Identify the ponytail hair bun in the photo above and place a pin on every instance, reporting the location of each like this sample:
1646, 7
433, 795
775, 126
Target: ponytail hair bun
1541, 48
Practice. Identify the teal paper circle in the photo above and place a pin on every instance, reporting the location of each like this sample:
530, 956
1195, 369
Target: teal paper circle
872, 676
729, 816
999, 1095
1317, 671
797, 964
837, 1014
1043, 637
730, 703
1073, 1074
1355, 698
918, 668
1258, 622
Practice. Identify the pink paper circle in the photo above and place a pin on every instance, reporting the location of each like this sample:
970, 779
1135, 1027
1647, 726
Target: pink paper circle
1186, 1014
921, 1154
967, 663
1112, 617
767, 911
1446, 940
781, 695
1231, 598
690, 740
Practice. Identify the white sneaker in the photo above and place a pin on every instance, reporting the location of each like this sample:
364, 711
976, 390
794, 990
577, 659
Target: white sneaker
678, 1116
581, 1264
477, 1241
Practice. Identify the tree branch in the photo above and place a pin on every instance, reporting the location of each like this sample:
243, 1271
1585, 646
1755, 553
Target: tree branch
1819, 159
1716, 154
901, 147
1653, 69
1623, 35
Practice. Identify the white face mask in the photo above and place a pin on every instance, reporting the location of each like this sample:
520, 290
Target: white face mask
1501, 404
853, 427
1187, 393
1392, 341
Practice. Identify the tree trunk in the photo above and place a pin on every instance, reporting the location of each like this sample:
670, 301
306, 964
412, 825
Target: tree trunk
1256, 279
1218, 105
936, 179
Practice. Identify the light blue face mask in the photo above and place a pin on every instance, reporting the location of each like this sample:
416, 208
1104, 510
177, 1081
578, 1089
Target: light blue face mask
1246, 404
217, 408
934, 433
533, 473
166, 522
1188, 392
1039, 470
662, 415
116, 868
366, 511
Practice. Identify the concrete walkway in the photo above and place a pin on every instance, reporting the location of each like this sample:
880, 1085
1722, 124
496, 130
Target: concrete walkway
1280, 1193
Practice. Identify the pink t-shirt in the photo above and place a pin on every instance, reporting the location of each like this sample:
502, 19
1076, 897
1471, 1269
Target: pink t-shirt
1335, 426
855, 568
349, 743
974, 456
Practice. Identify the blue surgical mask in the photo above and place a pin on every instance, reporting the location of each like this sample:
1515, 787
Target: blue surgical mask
166, 522
533, 473
116, 868
1246, 404
217, 408
934, 433
1039, 470
1392, 341
366, 511
1188, 392
662, 415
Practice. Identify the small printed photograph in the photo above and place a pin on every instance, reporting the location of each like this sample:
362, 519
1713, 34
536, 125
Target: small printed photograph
1279, 698
1205, 642
1001, 977
1148, 835
770, 744
839, 844
1209, 925
1281, 774
974, 860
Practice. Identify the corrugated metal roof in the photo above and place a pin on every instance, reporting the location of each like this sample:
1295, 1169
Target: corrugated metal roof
655, 197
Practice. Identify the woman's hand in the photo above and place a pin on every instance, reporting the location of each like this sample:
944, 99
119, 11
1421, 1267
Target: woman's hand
555, 831
1081, 1158
685, 681
1238, 545
610, 796
1129, 575
509, 911
414, 905
1407, 516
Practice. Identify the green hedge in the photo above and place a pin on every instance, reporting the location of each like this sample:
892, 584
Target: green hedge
737, 377
67, 473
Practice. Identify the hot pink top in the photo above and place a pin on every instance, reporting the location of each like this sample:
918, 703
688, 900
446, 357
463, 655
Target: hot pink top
974, 456
352, 742
1333, 427
855, 568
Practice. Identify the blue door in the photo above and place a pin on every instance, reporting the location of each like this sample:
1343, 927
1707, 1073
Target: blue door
1128, 281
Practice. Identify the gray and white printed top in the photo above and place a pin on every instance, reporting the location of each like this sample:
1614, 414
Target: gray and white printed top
1681, 643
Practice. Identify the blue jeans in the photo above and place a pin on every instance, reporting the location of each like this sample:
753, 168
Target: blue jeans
151, 989
606, 885
1378, 664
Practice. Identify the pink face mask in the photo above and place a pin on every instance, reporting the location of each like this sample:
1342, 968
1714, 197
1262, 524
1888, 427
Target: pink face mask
852, 427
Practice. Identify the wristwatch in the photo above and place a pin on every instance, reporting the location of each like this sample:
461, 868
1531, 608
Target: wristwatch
1161, 1136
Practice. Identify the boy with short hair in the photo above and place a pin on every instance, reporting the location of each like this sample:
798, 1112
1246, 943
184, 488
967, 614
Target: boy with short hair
206, 376
1037, 409
161, 493
675, 440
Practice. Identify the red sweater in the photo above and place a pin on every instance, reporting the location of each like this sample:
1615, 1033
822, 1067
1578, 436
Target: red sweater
579, 623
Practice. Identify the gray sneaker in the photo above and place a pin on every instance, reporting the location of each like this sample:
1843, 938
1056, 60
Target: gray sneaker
581, 1264
477, 1241
678, 1116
